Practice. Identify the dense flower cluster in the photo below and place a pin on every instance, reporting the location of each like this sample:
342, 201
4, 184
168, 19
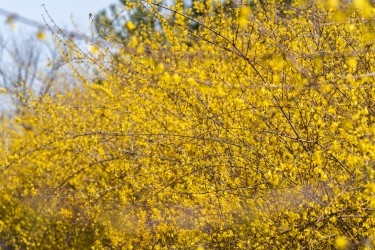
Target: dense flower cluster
255, 130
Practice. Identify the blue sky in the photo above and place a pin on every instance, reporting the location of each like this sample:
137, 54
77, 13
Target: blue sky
62, 11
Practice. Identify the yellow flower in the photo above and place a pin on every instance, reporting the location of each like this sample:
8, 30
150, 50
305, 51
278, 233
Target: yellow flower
243, 17
94, 49
341, 242
130, 26
41, 35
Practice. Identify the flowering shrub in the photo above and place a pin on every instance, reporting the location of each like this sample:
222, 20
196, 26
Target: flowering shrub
255, 130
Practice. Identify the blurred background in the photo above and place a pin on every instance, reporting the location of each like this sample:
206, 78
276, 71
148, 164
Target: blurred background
30, 63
